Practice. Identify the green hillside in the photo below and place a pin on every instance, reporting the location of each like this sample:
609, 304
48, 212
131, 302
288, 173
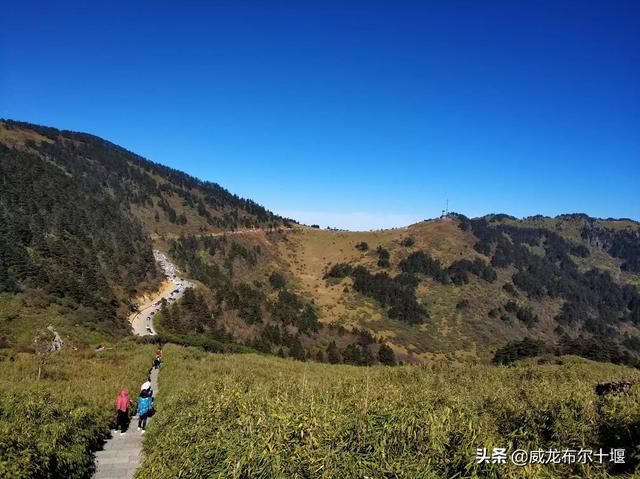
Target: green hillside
251, 416
77, 218
449, 302
49, 427
458, 288
80, 216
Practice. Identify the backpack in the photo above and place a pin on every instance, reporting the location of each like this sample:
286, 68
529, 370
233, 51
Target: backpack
144, 404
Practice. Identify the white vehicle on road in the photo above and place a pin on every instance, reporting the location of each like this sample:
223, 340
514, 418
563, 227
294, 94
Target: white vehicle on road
141, 321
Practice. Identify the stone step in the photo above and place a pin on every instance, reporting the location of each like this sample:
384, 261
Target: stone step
122, 454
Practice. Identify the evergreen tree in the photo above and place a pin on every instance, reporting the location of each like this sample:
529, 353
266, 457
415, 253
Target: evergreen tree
297, 351
386, 355
353, 354
333, 355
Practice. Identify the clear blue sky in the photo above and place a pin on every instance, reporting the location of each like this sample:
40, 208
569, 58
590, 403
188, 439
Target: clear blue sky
352, 114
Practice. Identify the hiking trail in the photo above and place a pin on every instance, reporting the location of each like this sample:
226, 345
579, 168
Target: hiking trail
121, 454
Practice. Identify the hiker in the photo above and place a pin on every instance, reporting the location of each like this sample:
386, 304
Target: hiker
56, 344
146, 388
145, 403
158, 359
122, 407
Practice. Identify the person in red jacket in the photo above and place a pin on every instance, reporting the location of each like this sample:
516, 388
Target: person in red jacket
158, 359
123, 402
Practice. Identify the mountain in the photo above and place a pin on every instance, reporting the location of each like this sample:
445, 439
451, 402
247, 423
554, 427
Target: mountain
80, 216
456, 288
77, 217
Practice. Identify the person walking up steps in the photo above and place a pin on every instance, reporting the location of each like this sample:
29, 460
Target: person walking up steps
145, 403
146, 386
122, 407
157, 362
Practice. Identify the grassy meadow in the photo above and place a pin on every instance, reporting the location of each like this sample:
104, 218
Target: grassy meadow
250, 416
48, 427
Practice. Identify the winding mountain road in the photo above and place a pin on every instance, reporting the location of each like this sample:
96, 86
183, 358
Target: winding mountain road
142, 321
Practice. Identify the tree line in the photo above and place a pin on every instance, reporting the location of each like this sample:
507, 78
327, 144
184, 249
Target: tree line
594, 303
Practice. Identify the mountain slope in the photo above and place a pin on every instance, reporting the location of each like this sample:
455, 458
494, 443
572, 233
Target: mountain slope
80, 215
76, 218
454, 287
165, 199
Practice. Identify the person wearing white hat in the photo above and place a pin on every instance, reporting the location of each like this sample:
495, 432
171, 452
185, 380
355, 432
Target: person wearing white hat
145, 407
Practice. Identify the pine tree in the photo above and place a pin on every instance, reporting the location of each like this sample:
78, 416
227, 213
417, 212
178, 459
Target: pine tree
333, 355
386, 355
297, 351
353, 354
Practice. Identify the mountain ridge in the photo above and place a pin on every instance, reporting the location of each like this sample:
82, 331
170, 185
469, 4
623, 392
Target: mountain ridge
455, 287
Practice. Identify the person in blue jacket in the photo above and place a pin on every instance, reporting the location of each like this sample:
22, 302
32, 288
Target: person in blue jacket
145, 403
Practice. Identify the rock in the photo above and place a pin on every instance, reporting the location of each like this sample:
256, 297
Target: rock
614, 387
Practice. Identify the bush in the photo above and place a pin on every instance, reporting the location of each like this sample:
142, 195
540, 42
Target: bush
464, 304
386, 355
457, 273
517, 350
407, 242
397, 294
339, 270
362, 246
277, 280
383, 257
289, 308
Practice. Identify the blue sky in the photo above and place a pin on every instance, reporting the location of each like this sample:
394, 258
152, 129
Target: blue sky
351, 114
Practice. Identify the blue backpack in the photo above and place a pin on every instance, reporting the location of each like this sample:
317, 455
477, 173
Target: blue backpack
144, 405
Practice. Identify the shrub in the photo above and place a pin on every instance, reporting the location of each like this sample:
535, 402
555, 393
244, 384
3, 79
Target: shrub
339, 270
362, 246
464, 304
397, 294
386, 355
407, 242
383, 257
513, 351
277, 280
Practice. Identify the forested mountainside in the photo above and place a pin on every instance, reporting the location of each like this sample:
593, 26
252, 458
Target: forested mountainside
493, 288
76, 218
155, 193
79, 217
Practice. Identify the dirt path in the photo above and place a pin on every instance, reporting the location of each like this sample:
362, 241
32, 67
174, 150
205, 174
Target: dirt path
251, 231
122, 453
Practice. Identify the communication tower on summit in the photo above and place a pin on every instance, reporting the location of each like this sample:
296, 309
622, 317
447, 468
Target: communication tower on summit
445, 212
